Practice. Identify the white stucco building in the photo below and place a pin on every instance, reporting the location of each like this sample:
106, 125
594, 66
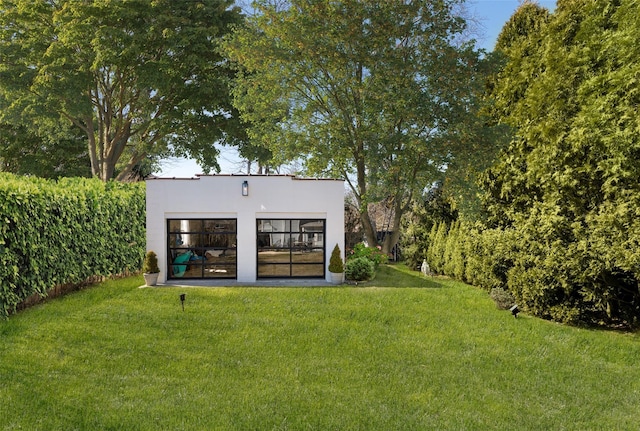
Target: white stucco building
244, 227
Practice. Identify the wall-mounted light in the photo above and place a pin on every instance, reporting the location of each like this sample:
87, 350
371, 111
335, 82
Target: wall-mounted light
245, 188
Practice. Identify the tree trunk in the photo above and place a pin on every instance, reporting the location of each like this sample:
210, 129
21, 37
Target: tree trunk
370, 233
391, 240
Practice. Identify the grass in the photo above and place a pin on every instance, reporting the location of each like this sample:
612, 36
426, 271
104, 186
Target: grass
403, 352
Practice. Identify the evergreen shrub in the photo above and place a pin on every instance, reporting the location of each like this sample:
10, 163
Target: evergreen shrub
414, 243
150, 264
335, 261
567, 183
437, 247
554, 269
434, 207
359, 269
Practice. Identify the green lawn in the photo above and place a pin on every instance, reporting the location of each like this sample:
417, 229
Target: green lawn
384, 356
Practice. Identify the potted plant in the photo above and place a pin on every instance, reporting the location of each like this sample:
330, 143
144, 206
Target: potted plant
336, 266
150, 269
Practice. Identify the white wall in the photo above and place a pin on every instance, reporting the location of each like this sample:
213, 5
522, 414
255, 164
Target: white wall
220, 196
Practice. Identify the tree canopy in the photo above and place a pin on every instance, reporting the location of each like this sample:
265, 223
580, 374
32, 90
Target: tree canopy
137, 77
373, 92
24, 153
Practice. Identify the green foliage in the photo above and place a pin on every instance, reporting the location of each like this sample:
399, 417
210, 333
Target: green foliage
359, 269
356, 89
490, 256
432, 208
23, 152
150, 264
527, 22
503, 299
373, 254
436, 250
139, 78
414, 243
454, 252
55, 233
553, 279
564, 194
472, 253
336, 265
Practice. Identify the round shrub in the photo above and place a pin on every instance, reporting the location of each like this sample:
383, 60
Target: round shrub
503, 299
373, 254
359, 269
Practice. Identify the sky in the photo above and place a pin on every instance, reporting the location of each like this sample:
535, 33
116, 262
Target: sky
491, 16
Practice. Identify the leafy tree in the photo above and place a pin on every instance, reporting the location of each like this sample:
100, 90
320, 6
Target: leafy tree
24, 153
262, 156
377, 93
138, 77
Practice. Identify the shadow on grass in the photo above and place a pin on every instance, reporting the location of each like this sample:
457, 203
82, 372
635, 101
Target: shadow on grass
399, 275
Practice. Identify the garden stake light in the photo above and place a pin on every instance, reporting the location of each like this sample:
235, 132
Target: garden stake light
182, 297
515, 311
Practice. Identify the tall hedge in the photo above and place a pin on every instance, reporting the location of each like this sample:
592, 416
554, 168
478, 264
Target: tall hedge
568, 183
591, 277
54, 233
562, 201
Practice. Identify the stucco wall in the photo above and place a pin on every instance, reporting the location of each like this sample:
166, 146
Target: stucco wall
220, 196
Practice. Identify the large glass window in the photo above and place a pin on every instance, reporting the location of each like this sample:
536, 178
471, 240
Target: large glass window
201, 248
291, 248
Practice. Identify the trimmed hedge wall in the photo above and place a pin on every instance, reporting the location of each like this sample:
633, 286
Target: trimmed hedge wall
54, 233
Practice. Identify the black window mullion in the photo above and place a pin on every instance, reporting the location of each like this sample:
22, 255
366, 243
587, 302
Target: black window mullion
198, 233
292, 237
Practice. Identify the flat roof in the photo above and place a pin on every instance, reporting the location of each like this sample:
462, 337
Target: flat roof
198, 176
